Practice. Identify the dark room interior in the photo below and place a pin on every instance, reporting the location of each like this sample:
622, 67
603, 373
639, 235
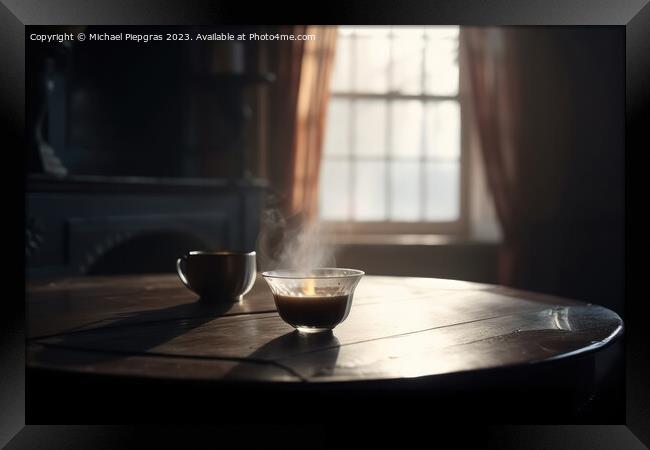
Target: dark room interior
437, 160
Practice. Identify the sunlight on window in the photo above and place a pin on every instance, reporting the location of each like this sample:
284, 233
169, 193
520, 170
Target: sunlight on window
369, 128
392, 145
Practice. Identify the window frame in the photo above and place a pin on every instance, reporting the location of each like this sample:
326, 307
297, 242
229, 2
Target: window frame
458, 227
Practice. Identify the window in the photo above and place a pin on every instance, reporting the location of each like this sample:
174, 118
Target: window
392, 155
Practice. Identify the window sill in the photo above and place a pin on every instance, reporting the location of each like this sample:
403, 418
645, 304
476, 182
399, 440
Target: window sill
459, 257
418, 240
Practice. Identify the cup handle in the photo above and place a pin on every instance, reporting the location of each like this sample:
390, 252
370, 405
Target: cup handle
179, 270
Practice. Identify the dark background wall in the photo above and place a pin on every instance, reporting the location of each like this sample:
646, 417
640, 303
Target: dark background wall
165, 108
571, 162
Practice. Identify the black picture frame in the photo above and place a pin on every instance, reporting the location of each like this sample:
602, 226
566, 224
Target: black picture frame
634, 15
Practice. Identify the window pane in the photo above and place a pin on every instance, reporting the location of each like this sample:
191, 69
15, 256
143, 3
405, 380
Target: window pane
346, 30
372, 31
406, 135
442, 32
406, 76
441, 67
405, 191
370, 128
442, 191
342, 76
407, 65
371, 58
369, 192
443, 129
337, 137
408, 31
357, 181
334, 190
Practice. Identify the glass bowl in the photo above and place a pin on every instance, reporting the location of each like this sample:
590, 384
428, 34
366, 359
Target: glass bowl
313, 301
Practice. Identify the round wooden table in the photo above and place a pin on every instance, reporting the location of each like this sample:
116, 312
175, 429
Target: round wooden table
404, 332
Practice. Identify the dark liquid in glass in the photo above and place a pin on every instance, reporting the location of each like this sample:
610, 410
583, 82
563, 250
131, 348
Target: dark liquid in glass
312, 312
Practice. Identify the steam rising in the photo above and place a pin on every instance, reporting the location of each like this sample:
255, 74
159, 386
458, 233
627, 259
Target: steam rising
290, 244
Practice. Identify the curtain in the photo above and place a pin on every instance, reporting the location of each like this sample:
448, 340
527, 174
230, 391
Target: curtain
298, 107
489, 62
548, 117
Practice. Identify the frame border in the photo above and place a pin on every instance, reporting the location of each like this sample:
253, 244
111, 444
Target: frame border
633, 14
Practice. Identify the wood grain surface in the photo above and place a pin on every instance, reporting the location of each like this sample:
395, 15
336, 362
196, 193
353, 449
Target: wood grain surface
398, 328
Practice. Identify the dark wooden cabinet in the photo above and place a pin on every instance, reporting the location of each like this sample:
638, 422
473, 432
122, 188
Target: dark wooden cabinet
100, 225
